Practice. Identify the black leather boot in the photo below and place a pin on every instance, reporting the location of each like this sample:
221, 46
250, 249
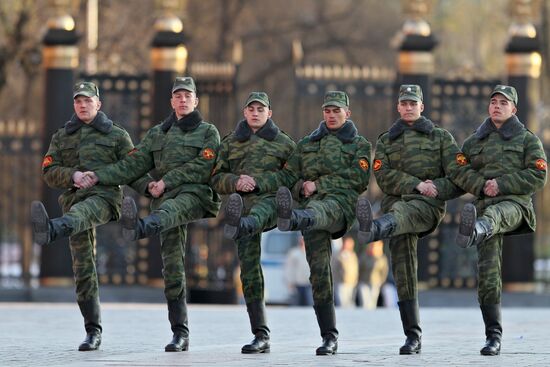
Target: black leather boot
177, 315
326, 318
289, 219
46, 230
411, 326
92, 323
472, 231
381, 228
135, 228
258, 325
493, 329
237, 226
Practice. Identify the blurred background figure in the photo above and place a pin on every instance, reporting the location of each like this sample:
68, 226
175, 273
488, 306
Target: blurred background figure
297, 275
346, 273
373, 272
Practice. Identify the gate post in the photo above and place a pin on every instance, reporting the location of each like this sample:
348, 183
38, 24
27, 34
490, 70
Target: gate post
168, 59
416, 59
523, 64
60, 60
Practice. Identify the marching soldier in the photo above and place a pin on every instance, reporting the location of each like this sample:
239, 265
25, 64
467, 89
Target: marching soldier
330, 168
411, 163
88, 141
182, 151
248, 168
511, 164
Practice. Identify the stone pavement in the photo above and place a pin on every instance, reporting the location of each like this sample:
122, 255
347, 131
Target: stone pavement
47, 334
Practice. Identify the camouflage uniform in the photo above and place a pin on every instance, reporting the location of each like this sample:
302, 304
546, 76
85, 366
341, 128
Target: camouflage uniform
260, 155
79, 147
339, 164
515, 158
407, 155
182, 153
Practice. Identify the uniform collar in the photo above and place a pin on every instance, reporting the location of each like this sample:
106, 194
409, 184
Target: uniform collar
269, 131
186, 123
508, 130
345, 134
422, 125
101, 123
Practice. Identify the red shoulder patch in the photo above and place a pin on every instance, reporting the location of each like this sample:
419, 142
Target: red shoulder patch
208, 154
377, 164
48, 160
132, 151
364, 164
540, 164
461, 159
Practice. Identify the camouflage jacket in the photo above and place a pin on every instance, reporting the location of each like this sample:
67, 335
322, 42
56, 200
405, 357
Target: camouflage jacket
339, 164
182, 154
85, 147
407, 155
512, 155
261, 155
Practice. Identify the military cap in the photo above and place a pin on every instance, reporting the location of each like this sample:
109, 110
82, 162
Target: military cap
507, 91
186, 83
410, 92
336, 98
87, 89
260, 97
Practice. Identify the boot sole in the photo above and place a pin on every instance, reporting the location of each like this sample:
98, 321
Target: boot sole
323, 353
488, 353
233, 213
129, 219
40, 223
176, 349
363, 212
467, 226
284, 208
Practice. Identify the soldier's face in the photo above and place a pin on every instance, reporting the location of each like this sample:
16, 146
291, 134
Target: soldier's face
86, 108
501, 109
410, 111
335, 117
256, 115
183, 102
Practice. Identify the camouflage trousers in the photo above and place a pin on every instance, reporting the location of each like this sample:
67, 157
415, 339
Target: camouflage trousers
329, 218
84, 216
504, 217
412, 217
264, 212
175, 214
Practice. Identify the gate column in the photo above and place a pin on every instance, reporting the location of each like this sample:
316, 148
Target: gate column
60, 60
416, 59
523, 64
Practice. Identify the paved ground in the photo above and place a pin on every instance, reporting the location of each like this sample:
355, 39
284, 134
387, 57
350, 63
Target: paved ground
47, 334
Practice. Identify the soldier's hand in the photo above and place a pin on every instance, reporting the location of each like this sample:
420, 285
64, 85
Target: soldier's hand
491, 188
309, 188
245, 183
157, 189
84, 180
427, 188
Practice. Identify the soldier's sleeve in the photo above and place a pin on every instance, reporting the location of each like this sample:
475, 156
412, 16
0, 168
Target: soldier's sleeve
223, 180
532, 177
135, 164
198, 169
391, 181
126, 146
291, 172
271, 181
461, 172
451, 160
356, 177
55, 174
